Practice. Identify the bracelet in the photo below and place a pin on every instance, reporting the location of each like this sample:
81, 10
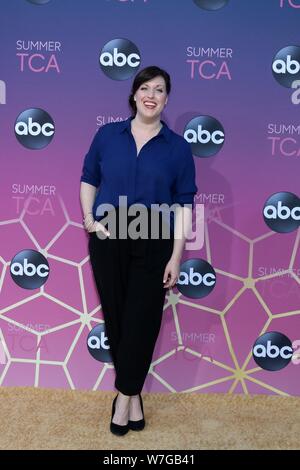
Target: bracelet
89, 224
85, 216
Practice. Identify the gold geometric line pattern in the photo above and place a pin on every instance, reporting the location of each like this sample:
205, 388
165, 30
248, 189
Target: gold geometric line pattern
239, 374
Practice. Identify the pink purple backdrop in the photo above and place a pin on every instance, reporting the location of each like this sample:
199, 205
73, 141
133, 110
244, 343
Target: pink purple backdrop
204, 344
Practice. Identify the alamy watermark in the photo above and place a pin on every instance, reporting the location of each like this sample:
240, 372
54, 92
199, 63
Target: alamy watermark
163, 219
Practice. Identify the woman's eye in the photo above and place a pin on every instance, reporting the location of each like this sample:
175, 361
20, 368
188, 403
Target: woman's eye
144, 88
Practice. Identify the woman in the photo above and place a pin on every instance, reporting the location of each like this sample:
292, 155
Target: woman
147, 163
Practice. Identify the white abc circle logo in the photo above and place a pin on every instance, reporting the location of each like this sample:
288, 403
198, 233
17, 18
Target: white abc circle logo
197, 278
39, 2
119, 59
211, 4
281, 212
98, 345
286, 65
272, 351
205, 134
96, 342
34, 128
29, 269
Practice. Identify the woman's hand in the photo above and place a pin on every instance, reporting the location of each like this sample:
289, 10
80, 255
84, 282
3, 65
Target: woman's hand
92, 225
171, 273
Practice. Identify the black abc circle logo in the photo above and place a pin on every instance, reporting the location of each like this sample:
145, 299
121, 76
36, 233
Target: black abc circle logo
29, 269
97, 344
281, 212
211, 4
205, 134
34, 128
197, 278
39, 2
120, 59
272, 351
286, 65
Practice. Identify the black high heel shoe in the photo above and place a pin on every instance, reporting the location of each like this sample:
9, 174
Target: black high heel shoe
118, 429
140, 424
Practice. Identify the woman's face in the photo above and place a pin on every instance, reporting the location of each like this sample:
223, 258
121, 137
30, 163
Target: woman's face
151, 98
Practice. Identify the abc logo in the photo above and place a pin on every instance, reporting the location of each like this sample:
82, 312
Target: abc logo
272, 351
286, 65
282, 212
197, 278
97, 344
39, 2
211, 4
206, 136
34, 128
119, 59
29, 269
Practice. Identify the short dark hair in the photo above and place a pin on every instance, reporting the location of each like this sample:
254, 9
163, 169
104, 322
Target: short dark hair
143, 76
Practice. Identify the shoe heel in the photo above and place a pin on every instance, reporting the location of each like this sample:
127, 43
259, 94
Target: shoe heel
140, 424
117, 429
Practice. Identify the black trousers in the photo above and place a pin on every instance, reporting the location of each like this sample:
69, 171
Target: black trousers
129, 277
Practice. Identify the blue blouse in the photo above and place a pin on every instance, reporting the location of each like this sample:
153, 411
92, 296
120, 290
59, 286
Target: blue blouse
163, 172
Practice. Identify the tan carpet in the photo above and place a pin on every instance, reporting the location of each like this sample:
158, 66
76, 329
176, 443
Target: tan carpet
64, 419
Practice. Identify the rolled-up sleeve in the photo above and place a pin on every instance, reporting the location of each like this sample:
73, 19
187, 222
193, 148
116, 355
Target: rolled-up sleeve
185, 186
91, 170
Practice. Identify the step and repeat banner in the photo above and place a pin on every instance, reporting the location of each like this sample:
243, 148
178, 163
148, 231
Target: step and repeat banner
232, 323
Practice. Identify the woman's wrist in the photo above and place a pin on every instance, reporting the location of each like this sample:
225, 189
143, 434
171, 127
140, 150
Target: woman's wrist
88, 220
87, 215
176, 257
89, 224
